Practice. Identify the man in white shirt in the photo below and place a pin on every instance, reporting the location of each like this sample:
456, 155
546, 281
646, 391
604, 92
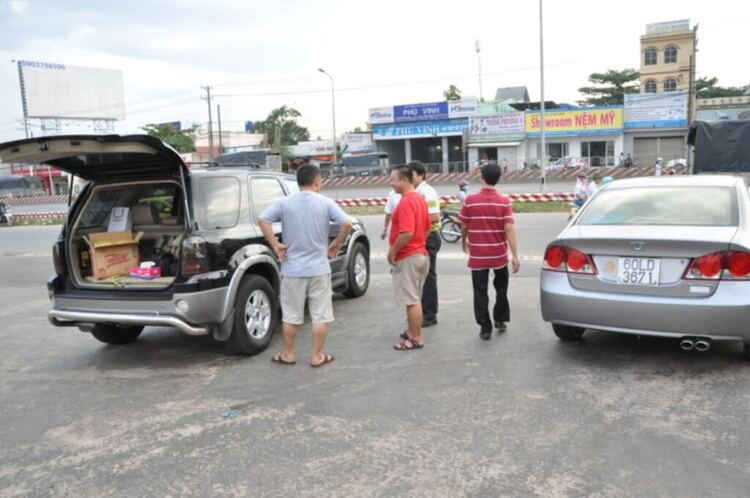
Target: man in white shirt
390, 206
430, 290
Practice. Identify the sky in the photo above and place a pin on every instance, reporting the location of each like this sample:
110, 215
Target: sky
257, 56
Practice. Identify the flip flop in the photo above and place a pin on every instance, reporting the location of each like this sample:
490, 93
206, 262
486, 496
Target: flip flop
402, 346
278, 359
327, 358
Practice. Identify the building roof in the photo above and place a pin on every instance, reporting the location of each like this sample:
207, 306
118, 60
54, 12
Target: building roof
516, 93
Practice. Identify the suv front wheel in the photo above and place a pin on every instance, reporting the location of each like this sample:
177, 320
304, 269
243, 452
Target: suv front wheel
254, 316
359, 271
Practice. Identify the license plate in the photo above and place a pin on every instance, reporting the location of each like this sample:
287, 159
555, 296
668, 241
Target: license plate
638, 271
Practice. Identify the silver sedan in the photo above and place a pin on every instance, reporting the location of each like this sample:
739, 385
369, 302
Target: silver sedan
667, 257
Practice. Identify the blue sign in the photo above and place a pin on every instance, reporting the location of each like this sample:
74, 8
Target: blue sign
445, 127
420, 112
176, 125
249, 126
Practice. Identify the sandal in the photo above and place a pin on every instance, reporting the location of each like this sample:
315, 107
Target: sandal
278, 358
327, 358
408, 344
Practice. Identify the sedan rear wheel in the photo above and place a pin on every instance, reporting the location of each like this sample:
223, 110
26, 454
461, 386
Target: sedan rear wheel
567, 333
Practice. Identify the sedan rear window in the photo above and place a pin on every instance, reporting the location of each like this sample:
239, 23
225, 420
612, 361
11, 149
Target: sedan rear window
688, 206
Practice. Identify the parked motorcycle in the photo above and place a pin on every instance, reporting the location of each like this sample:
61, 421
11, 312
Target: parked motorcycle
450, 226
6, 217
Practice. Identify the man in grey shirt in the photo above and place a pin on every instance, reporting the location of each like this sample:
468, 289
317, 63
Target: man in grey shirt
305, 270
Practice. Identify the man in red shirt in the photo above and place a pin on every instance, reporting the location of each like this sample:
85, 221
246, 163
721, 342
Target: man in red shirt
410, 224
486, 233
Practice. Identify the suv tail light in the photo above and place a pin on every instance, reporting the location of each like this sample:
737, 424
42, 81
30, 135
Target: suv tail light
720, 266
194, 257
567, 259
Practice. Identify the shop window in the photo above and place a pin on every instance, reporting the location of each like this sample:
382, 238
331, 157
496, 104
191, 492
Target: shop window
650, 57
670, 85
670, 55
555, 151
649, 86
598, 153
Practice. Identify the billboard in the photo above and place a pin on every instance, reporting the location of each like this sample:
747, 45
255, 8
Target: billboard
380, 115
420, 112
462, 108
653, 110
52, 90
592, 121
356, 142
444, 128
727, 113
497, 128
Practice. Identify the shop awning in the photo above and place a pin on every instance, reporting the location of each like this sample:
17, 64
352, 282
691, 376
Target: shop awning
494, 144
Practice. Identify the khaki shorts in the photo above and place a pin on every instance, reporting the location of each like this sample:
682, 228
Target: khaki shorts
315, 290
409, 275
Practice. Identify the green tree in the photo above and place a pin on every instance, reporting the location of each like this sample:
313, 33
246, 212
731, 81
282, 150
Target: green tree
452, 93
707, 88
610, 87
283, 119
182, 140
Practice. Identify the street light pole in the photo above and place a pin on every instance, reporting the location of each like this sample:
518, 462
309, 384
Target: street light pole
478, 49
333, 111
543, 162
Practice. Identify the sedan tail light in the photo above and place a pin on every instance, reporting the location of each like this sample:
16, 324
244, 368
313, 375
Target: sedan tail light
720, 266
567, 259
737, 266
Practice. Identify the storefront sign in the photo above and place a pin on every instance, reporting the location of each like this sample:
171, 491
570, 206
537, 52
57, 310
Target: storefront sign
356, 142
595, 121
652, 110
444, 128
312, 149
462, 108
498, 128
379, 115
420, 112
742, 112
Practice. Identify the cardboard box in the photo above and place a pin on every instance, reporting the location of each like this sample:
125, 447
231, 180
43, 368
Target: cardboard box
113, 253
120, 220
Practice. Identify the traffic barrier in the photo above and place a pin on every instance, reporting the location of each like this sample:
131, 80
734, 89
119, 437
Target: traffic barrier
452, 199
362, 202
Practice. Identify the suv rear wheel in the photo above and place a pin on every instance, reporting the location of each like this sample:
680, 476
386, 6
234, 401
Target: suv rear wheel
359, 271
113, 334
254, 316
567, 333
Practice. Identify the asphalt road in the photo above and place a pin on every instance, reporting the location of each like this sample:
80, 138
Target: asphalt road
521, 415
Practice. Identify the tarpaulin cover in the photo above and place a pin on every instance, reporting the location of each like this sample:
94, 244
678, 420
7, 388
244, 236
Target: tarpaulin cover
721, 146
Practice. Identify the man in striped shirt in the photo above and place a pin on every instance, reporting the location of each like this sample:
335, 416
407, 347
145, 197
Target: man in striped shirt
487, 230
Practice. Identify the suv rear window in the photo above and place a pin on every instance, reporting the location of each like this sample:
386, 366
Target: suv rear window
678, 206
103, 199
218, 202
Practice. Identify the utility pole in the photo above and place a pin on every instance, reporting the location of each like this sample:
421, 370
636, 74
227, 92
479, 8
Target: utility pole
218, 117
333, 111
210, 126
23, 99
543, 162
478, 48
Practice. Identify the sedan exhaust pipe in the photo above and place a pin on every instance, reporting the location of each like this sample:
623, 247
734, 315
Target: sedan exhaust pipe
687, 344
702, 345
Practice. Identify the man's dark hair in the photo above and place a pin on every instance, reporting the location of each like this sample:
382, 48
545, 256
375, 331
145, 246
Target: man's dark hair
418, 168
491, 173
404, 171
307, 174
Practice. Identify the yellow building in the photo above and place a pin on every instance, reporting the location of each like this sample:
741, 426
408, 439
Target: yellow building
667, 52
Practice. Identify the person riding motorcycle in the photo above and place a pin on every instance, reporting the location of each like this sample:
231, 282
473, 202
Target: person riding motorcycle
463, 191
